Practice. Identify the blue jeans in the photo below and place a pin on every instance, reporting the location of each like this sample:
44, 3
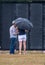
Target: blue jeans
12, 45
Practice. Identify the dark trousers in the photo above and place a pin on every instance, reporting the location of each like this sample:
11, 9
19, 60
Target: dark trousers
12, 45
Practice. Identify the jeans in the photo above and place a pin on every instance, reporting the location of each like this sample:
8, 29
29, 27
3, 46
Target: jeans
12, 45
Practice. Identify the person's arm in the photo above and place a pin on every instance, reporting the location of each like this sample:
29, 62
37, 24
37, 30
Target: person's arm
17, 31
26, 30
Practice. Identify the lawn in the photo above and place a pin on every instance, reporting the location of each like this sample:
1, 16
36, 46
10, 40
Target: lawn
30, 58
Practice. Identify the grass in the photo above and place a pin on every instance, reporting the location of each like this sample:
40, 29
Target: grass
30, 58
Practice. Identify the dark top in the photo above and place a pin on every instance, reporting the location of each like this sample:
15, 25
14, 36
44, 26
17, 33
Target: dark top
21, 32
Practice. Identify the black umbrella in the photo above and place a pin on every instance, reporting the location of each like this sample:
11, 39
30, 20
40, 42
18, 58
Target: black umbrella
23, 23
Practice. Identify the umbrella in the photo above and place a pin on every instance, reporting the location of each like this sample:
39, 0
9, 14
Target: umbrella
23, 23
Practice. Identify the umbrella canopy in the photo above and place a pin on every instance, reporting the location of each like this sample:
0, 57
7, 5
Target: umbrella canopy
23, 23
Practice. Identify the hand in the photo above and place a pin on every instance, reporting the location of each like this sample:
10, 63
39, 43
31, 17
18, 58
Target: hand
26, 30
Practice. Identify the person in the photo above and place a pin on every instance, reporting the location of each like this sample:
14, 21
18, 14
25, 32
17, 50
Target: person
13, 37
22, 40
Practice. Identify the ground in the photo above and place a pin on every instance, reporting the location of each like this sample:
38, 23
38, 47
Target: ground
30, 58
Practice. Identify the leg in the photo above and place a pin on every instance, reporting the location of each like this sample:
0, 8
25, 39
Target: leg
20, 46
24, 44
12, 46
15, 44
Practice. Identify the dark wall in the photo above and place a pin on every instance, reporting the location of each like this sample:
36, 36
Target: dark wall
43, 25
0, 25
6, 21
36, 33
22, 10
33, 11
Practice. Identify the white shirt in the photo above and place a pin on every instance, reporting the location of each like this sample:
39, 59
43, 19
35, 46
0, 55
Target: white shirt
12, 31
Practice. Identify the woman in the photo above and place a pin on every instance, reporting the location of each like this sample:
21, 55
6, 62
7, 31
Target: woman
22, 40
